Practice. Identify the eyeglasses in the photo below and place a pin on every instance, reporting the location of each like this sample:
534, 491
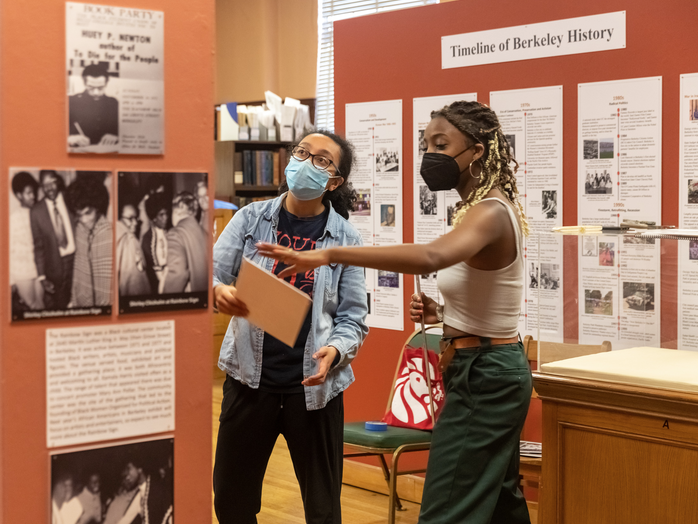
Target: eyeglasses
319, 161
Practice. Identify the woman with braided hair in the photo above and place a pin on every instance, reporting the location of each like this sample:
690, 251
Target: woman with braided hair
472, 474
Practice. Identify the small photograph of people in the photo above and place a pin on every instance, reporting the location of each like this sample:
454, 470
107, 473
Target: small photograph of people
427, 201
126, 484
638, 296
549, 204
60, 243
598, 182
512, 144
422, 143
388, 215
533, 275
607, 254
387, 160
591, 149
449, 214
162, 241
362, 206
93, 108
598, 303
550, 276
693, 191
606, 148
388, 279
590, 247
693, 249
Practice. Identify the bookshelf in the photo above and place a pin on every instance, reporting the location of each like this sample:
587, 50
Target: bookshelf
230, 157
261, 164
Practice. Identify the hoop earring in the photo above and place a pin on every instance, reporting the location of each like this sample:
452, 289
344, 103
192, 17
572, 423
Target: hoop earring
470, 170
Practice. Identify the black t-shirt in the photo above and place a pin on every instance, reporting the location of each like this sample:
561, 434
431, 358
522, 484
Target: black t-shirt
282, 365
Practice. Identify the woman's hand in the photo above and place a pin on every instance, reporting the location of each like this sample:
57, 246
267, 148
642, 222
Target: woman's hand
325, 356
297, 261
226, 301
423, 304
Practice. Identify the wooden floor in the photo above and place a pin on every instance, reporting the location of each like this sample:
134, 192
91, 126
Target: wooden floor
281, 499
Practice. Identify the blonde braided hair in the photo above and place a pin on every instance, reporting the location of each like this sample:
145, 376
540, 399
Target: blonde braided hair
480, 123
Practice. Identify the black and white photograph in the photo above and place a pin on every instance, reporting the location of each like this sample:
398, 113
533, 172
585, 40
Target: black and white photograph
362, 206
368, 300
549, 204
93, 108
124, 484
638, 296
590, 246
549, 276
630, 239
591, 149
388, 279
387, 160
693, 249
450, 210
598, 182
115, 81
388, 215
512, 144
606, 148
533, 275
61, 239
422, 143
598, 302
607, 254
427, 201
692, 191
162, 239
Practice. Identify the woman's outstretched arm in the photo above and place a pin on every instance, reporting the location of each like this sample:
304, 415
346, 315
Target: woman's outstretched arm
483, 225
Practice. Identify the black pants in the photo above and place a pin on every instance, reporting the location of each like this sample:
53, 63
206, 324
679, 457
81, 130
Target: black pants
250, 422
59, 299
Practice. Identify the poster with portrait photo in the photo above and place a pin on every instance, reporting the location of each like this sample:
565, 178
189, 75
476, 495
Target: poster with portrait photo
132, 482
60, 243
162, 241
388, 215
115, 80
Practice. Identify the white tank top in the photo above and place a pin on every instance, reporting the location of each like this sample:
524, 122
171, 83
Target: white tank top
485, 303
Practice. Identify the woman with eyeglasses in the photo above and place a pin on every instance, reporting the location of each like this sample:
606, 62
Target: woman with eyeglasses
272, 388
130, 262
473, 469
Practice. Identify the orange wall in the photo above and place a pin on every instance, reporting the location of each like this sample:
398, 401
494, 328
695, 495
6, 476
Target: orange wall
265, 45
397, 55
32, 126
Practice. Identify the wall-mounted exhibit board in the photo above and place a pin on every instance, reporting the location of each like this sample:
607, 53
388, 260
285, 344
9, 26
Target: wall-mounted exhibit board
398, 57
375, 129
33, 117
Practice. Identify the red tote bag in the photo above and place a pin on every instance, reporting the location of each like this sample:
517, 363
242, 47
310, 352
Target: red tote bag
411, 405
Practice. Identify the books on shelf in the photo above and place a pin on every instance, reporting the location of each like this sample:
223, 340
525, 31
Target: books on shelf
260, 167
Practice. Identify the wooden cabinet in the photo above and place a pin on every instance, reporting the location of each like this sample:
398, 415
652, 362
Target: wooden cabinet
616, 453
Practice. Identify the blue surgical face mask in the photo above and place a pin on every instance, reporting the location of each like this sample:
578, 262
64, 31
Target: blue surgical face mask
306, 181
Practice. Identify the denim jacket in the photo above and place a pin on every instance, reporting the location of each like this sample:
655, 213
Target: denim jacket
339, 307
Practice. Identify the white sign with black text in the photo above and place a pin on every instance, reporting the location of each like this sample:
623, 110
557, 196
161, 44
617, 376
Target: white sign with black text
586, 34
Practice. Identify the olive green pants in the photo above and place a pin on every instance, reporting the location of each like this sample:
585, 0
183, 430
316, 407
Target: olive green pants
473, 469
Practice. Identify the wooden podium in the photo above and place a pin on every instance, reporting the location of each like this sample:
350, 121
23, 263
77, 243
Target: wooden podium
618, 453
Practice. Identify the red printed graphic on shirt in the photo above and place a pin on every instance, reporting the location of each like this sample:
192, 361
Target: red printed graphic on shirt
303, 281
